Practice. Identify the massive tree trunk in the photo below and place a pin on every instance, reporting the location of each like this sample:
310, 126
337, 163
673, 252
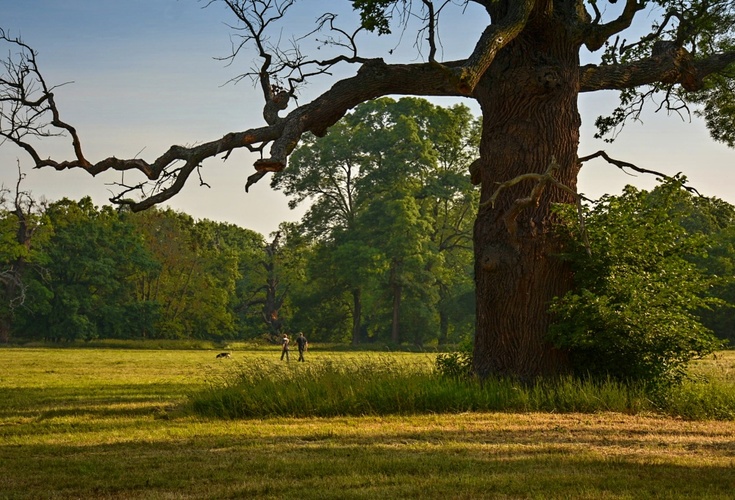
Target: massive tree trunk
529, 104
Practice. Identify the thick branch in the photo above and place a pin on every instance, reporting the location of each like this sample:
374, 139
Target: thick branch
373, 80
668, 64
510, 218
495, 37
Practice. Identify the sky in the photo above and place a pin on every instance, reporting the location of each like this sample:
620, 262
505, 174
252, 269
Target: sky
137, 76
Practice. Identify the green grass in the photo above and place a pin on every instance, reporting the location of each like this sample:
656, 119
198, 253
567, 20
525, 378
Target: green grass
109, 423
404, 384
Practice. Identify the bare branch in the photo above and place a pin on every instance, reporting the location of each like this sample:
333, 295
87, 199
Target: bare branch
624, 165
432, 29
597, 34
172, 169
257, 16
27, 105
655, 35
532, 200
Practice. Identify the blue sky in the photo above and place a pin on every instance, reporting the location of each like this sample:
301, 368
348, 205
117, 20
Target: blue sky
144, 76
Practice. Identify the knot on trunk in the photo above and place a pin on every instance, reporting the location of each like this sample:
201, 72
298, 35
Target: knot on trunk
548, 78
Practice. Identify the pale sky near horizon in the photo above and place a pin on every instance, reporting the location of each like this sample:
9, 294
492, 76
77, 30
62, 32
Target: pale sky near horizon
144, 76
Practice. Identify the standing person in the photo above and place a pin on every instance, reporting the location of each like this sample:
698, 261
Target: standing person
302, 343
284, 348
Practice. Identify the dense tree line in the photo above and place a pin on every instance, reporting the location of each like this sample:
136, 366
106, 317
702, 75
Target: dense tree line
383, 254
94, 272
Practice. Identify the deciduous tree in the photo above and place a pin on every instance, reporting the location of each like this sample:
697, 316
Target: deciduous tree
526, 73
390, 196
20, 241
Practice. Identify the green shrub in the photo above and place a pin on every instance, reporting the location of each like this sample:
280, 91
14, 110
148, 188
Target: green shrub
455, 364
632, 313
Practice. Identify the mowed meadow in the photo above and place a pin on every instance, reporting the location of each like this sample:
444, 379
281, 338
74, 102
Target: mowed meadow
119, 423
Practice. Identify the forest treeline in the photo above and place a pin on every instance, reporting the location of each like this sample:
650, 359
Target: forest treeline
84, 272
382, 254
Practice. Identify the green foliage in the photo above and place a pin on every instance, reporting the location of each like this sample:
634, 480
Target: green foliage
455, 364
632, 314
198, 275
390, 222
375, 15
718, 108
96, 273
716, 219
701, 28
83, 286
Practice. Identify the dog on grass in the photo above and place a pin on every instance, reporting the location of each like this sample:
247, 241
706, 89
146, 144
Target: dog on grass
224, 355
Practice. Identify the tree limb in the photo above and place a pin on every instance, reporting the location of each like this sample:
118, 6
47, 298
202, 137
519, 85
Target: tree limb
374, 79
596, 35
623, 165
667, 64
510, 218
496, 36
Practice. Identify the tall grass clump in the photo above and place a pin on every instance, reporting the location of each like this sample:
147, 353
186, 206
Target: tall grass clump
384, 386
698, 399
262, 388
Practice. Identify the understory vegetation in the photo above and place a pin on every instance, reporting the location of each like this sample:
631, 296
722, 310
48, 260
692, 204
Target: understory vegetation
386, 385
649, 275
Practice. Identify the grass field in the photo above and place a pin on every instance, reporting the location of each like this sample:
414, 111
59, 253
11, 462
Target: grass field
105, 423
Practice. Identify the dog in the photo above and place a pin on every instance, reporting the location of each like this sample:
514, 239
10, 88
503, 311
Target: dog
224, 355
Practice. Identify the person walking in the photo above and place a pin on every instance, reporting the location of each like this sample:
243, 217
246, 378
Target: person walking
284, 347
302, 344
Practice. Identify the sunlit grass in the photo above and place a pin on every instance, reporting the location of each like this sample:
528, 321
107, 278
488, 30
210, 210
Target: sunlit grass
80, 423
389, 384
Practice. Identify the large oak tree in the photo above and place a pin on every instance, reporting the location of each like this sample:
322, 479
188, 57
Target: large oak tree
524, 70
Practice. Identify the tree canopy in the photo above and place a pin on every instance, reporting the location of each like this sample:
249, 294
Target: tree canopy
390, 213
525, 70
685, 56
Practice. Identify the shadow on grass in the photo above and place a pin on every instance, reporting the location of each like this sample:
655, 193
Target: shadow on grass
122, 400
398, 466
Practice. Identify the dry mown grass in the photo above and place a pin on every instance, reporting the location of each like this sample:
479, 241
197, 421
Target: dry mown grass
97, 424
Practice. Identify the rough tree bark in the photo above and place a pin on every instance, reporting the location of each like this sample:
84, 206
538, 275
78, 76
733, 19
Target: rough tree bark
530, 120
524, 71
